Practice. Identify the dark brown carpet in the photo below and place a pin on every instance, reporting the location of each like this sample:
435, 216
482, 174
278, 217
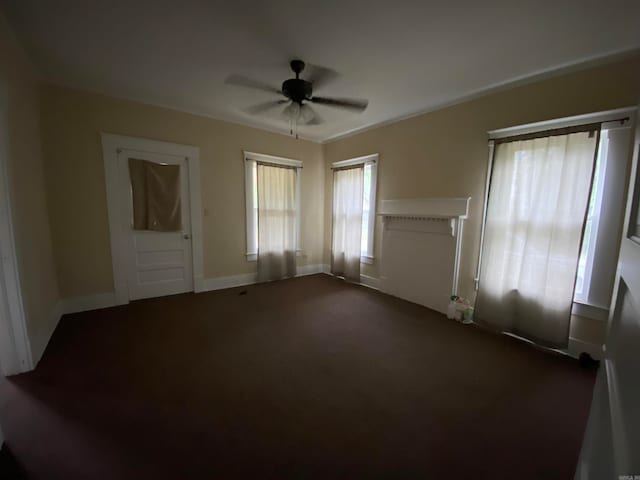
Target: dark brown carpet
304, 378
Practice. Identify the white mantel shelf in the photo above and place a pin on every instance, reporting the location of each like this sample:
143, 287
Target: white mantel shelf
426, 208
421, 245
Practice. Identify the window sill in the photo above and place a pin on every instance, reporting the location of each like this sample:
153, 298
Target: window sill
253, 257
594, 312
366, 259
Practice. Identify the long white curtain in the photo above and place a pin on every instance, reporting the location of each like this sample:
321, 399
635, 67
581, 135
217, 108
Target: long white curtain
347, 223
276, 222
537, 202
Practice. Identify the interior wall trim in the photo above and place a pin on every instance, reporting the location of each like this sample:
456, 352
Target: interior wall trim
112, 147
577, 346
15, 344
85, 303
590, 311
56, 315
371, 282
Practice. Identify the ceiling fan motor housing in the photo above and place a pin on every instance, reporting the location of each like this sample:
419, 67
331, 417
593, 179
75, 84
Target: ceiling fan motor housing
296, 89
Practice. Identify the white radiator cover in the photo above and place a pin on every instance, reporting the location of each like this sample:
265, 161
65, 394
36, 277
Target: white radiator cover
421, 245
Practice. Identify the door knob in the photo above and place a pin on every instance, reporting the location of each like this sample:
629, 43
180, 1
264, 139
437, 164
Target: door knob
186, 236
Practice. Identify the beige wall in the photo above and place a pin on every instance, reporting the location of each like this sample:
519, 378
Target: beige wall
72, 122
444, 153
18, 82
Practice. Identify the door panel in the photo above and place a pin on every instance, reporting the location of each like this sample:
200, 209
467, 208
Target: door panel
611, 446
159, 263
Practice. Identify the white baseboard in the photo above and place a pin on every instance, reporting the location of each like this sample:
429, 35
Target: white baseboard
577, 346
371, 282
590, 311
54, 318
88, 302
220, 283
309, 270
108, 299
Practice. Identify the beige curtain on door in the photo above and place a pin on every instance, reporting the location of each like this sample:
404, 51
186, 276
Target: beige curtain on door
276, 222
155, 191
535, 215
347, 223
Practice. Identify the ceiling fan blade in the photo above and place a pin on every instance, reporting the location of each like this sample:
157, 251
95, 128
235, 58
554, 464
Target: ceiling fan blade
319, 76
355, 104
310, 116
263, 107
241, 81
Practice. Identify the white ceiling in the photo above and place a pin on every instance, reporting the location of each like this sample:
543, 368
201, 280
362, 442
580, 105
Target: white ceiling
405, 57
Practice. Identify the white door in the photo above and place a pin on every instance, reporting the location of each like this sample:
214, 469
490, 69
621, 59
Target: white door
159, 263
611, 446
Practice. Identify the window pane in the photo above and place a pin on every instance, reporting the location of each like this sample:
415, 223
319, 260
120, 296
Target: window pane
366, 193
634, 228
255, 205
583, 273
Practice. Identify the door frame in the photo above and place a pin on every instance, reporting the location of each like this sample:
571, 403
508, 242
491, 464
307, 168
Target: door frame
15, 347
112, 146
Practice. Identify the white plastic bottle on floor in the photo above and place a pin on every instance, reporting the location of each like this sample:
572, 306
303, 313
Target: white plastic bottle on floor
451, 309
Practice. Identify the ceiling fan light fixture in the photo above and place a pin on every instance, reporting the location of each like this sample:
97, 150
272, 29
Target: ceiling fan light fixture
292, 111
298, 94
306, 113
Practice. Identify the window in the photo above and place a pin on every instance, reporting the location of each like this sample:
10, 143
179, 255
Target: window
595, 275
601, 240
585, 263
370, 164
251, 161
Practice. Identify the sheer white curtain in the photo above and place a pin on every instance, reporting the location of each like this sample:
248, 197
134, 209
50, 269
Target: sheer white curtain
347, 223
535, 215
276, 222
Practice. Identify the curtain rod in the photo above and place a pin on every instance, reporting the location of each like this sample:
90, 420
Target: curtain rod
348, 167
589, 127
354, 165
270, 164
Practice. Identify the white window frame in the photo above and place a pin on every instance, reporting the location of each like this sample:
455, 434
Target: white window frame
592, 311
251, 159
603, 147
371, 160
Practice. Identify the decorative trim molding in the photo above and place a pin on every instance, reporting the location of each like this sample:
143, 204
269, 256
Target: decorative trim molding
303, 270
420, 225
577, 346
541, 75
426, 207
14, 337
261, 157
590, 311
598, 117
89, 302
371, 158
108, 299
56, 315
371, 282
220, 283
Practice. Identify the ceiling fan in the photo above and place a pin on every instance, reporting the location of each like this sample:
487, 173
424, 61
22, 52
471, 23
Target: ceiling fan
298, 95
